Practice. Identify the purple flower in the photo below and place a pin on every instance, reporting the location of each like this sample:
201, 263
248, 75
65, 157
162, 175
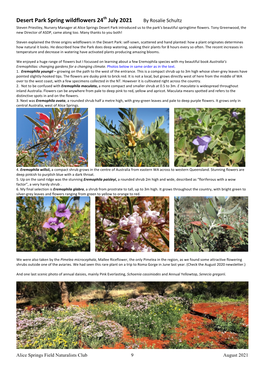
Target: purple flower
197, 109
202, 143
53, 223
62, 211
200, 120
235, 114
180, 117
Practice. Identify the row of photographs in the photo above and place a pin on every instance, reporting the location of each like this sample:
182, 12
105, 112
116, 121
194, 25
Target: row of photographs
131, 137
131, 315
132, 224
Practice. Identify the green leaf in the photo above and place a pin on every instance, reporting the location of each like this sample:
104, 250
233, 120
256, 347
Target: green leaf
226, 212
212, 144
34, 122
130, 205
206, 120
230, 135
221, 200
122, 231
239, 144
223, 159
182, 143
165, 239
217, 129
236, 157
211, 211
151, 244
190, 248
206, 221
180, 161
197, 238
214, 112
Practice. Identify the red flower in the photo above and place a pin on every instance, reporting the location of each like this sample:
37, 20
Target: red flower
82, 158
44, 117
55, 148
45, 155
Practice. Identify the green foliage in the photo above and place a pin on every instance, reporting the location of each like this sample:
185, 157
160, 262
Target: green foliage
30, 215
32, 236
217, 225
214, 291
227, 132
127, 145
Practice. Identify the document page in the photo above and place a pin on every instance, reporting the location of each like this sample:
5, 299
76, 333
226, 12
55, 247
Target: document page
132, 189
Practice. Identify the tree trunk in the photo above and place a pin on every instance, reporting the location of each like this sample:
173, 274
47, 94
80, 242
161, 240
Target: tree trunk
64, 293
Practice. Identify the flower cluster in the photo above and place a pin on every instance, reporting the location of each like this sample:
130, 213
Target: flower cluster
54, 223
134, 135
132, 231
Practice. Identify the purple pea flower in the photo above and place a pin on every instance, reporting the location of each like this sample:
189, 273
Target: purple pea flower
180, 117
62, 211
53, 223
202, 143
235, 114
200, 120
197, 109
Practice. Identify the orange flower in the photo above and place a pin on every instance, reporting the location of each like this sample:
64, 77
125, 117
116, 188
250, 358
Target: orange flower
74, 116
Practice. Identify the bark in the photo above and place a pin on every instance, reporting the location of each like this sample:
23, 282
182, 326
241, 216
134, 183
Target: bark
64, 293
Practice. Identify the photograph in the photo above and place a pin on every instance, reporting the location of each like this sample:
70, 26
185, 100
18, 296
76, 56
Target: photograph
53, 224
52, 137
132, 315
131, 137
131, 224
211, 224
209, 137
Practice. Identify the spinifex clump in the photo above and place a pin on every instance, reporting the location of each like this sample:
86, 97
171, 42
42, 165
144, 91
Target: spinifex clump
127, 224
211, 224
131, 144
209, 137
54, 138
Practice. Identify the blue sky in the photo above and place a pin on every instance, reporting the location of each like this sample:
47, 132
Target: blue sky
24, 126
147, 115
47, 201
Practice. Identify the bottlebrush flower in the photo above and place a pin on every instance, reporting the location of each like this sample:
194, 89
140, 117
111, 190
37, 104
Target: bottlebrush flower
54, 224
62, 211
202, 143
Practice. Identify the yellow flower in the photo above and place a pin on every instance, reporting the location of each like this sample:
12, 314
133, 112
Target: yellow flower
132, 142
140, 133
132, 128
